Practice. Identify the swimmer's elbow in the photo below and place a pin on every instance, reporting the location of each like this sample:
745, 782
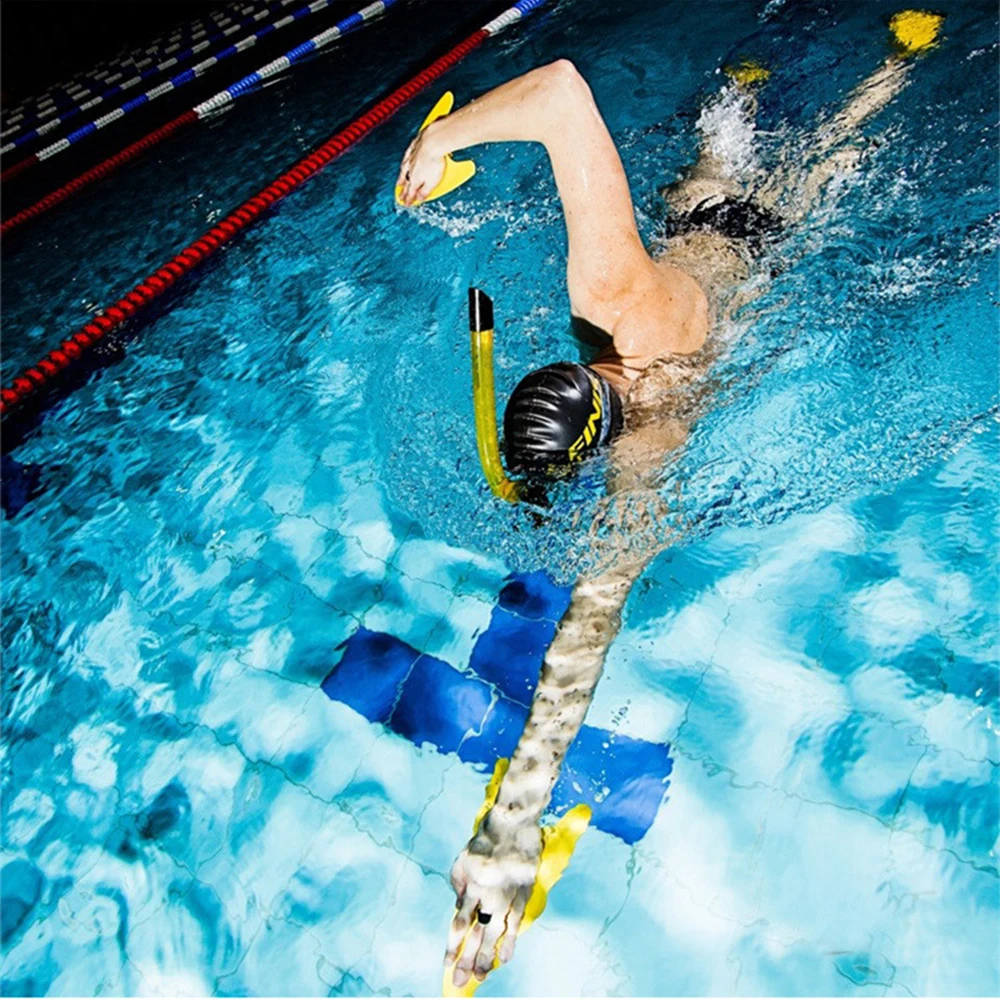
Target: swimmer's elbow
564, 71
563, 78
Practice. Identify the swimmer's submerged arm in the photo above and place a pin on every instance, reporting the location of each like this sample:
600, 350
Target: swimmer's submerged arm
570, 672
623, 544
496, 872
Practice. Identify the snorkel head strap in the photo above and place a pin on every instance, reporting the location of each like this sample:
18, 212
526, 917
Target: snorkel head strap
556, 416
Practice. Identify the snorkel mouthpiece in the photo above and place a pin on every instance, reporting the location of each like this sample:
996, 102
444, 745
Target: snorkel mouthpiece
484, 396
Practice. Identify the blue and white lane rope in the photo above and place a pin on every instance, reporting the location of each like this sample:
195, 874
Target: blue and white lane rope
172, 84
73, 90
224, 97
179, 79
160, 45
512, 14
300, 52
142, 69
78, 102
70, 98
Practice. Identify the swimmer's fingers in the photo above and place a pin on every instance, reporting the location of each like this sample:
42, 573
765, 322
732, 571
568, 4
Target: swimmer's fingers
491, 937
463, 967
420, 172
418, 195
514, 918
404, 168
412, 191
410, 170
459, 926
459, 881
411, 187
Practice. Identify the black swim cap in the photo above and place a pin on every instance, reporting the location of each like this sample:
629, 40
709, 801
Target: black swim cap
557, 415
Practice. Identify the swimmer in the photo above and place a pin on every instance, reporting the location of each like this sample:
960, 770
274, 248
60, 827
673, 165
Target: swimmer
650, 312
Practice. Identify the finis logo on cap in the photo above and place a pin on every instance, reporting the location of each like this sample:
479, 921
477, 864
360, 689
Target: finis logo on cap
584, 441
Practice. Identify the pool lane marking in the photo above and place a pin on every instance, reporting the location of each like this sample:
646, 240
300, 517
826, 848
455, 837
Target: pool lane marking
83, 98
203, 110
167, 87
57, 361
478, 709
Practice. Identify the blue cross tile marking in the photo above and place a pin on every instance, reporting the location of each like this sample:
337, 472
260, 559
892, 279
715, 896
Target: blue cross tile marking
479, 714
509, 653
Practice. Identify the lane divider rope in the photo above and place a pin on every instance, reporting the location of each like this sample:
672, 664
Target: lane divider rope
97, 173
84, 99
73, 88
42, 375
200, 111
293, 56
168, 86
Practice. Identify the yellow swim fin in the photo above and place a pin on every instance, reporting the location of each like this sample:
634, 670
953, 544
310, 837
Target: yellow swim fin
747, 72
915, 30
456, 173
558, 844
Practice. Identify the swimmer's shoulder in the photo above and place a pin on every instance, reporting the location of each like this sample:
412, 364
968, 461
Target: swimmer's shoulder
690, 301
668, 316
661, 311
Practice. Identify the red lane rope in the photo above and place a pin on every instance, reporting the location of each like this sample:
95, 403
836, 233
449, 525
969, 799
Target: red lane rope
43, 374
96, 173
12, 172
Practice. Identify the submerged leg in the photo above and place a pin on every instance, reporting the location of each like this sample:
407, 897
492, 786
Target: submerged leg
725, 164
835, 150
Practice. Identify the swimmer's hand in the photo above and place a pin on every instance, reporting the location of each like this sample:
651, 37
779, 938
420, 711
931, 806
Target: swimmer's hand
422, 168
494, 875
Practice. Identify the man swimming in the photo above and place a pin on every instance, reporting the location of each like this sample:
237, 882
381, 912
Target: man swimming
653, 312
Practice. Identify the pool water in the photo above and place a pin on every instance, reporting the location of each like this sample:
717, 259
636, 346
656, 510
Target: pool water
261, 616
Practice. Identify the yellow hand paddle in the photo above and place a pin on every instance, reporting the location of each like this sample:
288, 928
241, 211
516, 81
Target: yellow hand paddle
558, 844
747, 72
915, 30
456, 173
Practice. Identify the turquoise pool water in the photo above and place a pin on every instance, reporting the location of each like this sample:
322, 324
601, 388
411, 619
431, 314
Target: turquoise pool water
281, 465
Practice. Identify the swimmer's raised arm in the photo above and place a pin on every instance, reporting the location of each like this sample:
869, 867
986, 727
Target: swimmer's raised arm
552, 105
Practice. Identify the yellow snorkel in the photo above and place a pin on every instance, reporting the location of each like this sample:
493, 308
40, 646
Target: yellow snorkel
483, 396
